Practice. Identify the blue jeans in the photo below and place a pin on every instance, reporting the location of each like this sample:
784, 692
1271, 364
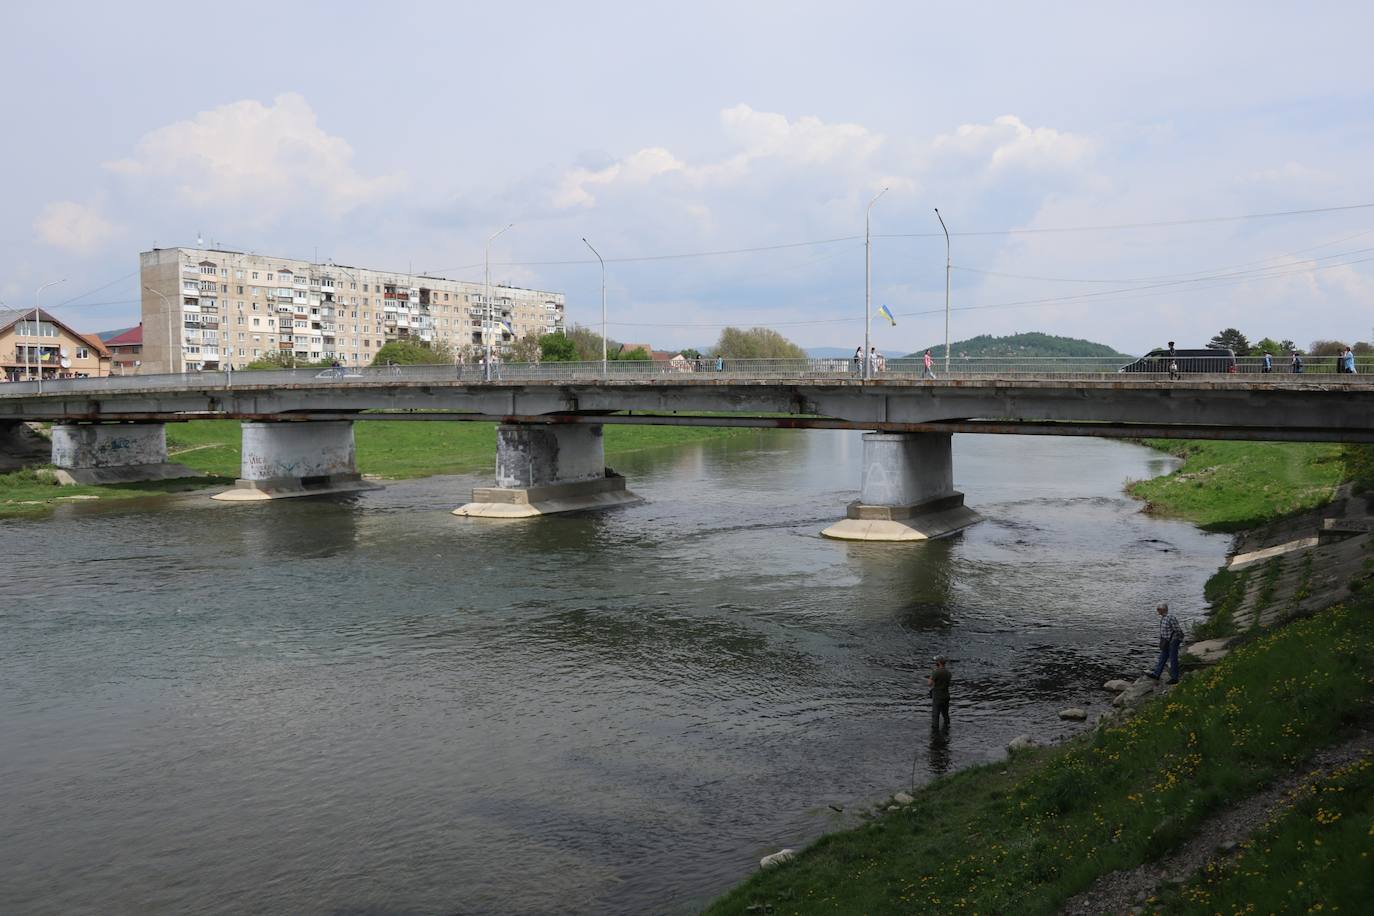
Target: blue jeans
1168, 652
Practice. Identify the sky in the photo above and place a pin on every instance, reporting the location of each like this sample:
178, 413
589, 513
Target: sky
1128, 173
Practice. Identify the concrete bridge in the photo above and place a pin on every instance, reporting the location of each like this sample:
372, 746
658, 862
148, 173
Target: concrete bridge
298, 424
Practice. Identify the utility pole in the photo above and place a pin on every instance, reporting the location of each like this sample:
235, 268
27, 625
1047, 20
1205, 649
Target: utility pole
868, 284
942, 226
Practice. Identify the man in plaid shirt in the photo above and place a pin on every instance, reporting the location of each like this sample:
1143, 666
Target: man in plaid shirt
1170, 638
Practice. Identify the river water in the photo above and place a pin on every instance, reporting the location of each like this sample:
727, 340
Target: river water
365, 705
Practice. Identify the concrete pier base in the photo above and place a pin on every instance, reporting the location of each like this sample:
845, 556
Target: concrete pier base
108, 453
907, 492
288, 459
546, 469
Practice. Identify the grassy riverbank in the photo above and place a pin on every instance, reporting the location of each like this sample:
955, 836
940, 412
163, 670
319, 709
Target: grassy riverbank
386, 448
1027, 835
1024, 837
1230, 486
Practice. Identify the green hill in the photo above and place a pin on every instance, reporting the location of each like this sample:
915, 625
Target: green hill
1031, 344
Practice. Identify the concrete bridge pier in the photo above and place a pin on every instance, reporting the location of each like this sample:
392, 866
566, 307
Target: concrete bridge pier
106, 453
546, 469
282, 459
907, 492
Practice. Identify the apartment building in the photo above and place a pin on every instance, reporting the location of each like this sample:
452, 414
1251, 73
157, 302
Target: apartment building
206, 308
48, 347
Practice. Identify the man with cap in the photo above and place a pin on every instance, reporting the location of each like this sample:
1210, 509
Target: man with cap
1170, 638
939, 693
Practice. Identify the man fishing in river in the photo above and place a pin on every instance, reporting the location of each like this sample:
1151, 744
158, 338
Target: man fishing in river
939, 693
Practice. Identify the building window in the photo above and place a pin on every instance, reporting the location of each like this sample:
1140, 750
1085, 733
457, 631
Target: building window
83, 353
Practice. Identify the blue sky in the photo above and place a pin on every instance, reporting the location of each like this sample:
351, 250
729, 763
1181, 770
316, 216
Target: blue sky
403, 135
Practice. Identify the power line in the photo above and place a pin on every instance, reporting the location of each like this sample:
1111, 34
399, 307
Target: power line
1107, 227
1199, 283
1190, 273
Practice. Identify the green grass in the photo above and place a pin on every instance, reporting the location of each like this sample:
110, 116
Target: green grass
1027, 840
386, 448
1314, 855
1230, 486
31, 492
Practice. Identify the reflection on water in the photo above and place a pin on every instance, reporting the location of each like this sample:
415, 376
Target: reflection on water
365, 704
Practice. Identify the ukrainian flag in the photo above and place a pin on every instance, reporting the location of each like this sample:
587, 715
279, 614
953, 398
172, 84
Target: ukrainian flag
887, 313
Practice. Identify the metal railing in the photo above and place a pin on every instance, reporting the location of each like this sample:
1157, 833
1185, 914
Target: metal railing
909, 370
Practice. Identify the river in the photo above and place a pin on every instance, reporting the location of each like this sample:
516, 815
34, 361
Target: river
365, 705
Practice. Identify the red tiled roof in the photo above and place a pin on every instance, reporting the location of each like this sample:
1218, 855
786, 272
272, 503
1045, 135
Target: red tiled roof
130, 338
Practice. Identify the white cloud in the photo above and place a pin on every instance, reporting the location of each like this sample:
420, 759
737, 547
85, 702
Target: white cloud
74, 227
637, 169
262, 159
1008, 142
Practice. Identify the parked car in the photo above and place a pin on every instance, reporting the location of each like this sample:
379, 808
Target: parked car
1205, 360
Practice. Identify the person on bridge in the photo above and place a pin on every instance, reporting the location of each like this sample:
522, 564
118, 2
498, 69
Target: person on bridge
1297, 363
930, 366
858, 361
1170, 638
1268, 363
938, 682
1348, 361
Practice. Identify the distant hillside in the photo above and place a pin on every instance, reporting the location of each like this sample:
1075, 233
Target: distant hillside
1030, 344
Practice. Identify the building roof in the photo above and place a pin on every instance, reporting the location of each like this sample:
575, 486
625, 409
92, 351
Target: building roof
129, 337
92, 340
109, 335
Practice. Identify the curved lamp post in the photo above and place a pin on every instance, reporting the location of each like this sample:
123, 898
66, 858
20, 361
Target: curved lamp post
36, 330
942, 226
603, 307
487, 263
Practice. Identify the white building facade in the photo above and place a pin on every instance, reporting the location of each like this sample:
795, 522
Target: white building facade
206, 308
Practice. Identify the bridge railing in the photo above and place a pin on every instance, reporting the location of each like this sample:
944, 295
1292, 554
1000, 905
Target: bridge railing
908, 369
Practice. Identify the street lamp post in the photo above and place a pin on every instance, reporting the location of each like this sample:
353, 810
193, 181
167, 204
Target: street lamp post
171, 367
868, 285
603, 306
942, 226
37, 330
486, 331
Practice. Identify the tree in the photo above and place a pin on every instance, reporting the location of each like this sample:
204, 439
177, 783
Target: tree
1326, 348
525, 350
756, 343
411, 353
1230, 339
588, 344
284, 359
1267, 345
691, 353
557, 348
637, 354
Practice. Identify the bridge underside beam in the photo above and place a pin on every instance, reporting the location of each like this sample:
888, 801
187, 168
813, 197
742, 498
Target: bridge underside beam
990, 427
543, 469
1360, 435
